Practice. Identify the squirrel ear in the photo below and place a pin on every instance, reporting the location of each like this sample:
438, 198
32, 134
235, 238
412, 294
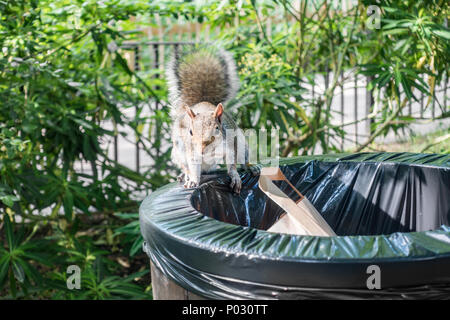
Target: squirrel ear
218, 112
189, 112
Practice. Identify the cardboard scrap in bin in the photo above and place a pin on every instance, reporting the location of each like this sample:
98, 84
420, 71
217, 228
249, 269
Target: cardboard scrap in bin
301, 218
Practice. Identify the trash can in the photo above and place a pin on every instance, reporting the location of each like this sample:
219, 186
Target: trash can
390, 212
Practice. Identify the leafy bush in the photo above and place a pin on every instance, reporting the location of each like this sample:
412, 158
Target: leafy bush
321, 37
60, 82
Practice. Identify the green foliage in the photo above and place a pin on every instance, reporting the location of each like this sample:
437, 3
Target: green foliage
16, 258
133, 240
60, 81
27, 267
97, 278
317, 37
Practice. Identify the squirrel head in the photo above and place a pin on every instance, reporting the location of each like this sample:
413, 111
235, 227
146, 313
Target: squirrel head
205, 128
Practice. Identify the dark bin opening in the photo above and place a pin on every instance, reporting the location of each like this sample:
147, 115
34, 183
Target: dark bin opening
355, 198
390, 210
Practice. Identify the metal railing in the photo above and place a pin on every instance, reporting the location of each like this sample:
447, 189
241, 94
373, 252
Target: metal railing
353, 103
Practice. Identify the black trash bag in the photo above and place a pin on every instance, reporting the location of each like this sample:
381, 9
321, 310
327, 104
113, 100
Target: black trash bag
391, 210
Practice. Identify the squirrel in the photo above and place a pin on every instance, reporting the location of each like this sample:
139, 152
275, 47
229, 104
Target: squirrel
200, 81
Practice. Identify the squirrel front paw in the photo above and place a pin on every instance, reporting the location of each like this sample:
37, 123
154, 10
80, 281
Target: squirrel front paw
181, 176
190, 184
236, 183
192, 181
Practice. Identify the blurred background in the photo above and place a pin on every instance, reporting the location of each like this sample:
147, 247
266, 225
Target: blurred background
85, 128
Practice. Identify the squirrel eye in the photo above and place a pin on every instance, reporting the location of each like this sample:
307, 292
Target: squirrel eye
190, 131
217, 128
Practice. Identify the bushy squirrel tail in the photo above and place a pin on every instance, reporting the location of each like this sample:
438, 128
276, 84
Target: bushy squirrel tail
201, 74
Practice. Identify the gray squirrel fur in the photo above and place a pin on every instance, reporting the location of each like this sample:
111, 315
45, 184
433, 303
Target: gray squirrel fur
209, 75
200, 81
